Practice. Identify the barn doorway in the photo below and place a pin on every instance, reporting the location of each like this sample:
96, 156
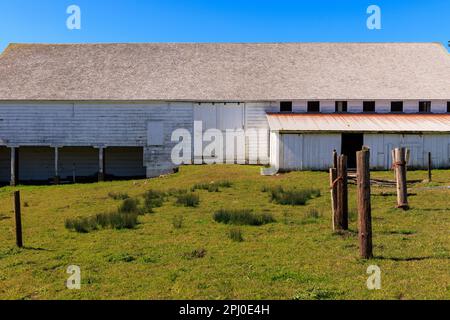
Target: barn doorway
5, 166
352, 143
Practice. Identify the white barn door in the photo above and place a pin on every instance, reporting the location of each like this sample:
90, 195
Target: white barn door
231, 118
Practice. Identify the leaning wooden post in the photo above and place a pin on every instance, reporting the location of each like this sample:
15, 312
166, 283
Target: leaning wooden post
342, 193
400, 175
335, 159
18, 219
429, 167
333, 191
364, 207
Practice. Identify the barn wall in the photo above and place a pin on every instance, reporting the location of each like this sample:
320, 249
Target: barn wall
258, 146
381, 146
308, 151
102, 124
275, 148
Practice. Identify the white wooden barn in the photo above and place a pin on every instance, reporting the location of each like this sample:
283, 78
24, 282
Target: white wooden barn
83, 111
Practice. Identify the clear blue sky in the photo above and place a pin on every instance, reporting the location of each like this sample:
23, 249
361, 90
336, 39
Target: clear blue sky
223, 21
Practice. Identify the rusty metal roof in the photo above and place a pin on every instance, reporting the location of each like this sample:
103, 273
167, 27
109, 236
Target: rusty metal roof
359, 122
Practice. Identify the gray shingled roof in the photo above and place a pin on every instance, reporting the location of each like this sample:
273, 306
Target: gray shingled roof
225, 72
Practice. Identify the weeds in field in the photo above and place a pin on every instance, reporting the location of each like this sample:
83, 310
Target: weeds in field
196, 254
118, 220
121, 257
129, 205
312, 215
82, 225
177, 221
176, 192
242, 217
118, 195
317, 294
188, 199
235, 234
153, 199
213, 186
114, 220
295, 197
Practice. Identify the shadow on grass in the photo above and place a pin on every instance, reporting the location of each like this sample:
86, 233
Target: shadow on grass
35, 249
433, 209
407, 259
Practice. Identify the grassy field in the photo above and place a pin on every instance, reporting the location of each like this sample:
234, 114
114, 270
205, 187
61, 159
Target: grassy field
297, 256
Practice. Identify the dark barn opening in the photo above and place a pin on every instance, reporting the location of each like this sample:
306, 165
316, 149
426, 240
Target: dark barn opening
5, 166
123, 163
352, 143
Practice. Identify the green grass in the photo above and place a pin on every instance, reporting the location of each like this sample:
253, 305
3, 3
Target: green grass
287, 259
294, 197
235, 234
188, 199
242, 217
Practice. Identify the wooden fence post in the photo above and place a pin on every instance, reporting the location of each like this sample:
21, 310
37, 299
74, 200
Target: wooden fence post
333, 190
429, 167
400, 175
18, 219
364, 207
335, 159
342, 193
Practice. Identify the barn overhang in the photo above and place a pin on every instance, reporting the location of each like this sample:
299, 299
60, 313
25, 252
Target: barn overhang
359, 122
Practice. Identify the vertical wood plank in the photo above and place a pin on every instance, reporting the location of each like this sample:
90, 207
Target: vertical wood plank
333, 191
364, 205
342, 193
17, 212
402, 191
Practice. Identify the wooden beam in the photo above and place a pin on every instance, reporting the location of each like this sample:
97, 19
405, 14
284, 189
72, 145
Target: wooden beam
400, 176
364, 205
429, 167
342, 193
333, 191
18, 217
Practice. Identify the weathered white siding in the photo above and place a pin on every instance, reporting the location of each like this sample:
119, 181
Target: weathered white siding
81, 128
308, 151
258, 139
381, 146
275, 147
89, 124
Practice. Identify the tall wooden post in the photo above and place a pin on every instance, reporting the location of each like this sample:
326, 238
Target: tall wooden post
342, 193
17, 212
101, 164
56, 179
400, 175
364, 206
333, 191
429, 167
